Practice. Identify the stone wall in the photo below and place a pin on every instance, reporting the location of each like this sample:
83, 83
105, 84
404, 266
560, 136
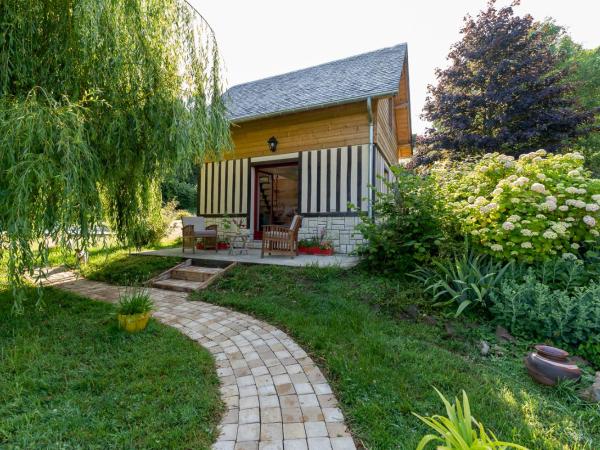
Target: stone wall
339, 230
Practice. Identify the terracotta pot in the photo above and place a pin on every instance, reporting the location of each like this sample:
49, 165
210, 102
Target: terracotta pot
547, 365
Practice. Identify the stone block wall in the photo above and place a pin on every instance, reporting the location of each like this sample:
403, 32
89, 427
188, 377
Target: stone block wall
340, 230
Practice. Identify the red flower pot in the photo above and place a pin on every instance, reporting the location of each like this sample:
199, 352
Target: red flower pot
304, 250
199, 246
326, 251
222, 246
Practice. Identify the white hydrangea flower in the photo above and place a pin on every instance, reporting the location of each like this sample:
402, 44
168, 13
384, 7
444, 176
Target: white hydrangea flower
595, 233
515, 200
511, 178
571, 190
563, 208
596, 198
581, 191
496, 247
521, 181
574, 173
575, 246
549, 234
514, 218
526, 245
589, 221
509, 164
471, 199
537, 159
577, 155
592, 207
541, 152
497, 191
508, 226
570, 219
538, 187
475, 232
559, 228
540, 216
483, 169
569, 256
576, 203
551, 199
480, 201
526, 232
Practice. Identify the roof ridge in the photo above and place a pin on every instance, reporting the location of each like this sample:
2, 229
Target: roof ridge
360, 55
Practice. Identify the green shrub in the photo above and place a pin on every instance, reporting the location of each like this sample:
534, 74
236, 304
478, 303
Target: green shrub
465, 279
135, 303
591, 352
459, 430
150, 229
533, 309
537, 207
407, 227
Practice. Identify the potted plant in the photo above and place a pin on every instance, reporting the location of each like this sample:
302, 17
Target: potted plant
326, 248
134, 311
199, 245
305, 246
223, 244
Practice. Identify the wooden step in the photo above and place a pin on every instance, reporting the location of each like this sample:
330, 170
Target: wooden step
195, 273
174, 284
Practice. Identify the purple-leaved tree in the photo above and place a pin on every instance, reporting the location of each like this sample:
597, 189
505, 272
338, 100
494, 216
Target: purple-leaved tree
505, 90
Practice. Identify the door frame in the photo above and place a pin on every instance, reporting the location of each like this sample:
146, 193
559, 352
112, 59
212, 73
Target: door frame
257, 234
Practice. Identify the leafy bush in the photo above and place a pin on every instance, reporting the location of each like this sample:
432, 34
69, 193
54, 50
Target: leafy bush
534, 309
591, 352
459, 430
465, 279
152, 227
135, 303
407, 225
537, 207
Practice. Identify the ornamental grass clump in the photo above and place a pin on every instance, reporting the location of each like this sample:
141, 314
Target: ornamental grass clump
529, 209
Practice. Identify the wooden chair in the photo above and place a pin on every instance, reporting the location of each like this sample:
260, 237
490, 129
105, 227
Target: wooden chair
281, 240
194, 229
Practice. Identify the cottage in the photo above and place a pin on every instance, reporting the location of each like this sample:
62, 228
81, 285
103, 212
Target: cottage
312, 142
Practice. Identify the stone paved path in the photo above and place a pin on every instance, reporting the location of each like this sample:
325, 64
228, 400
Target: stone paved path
276, 397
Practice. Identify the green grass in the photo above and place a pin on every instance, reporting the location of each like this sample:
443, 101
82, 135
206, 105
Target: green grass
382, 367
70, 379
117, 265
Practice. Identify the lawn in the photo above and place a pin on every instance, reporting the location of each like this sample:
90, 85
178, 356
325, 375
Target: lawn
117, 265
383, 367
70, 379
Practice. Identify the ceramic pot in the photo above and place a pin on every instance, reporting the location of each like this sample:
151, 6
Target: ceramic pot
547, 365
133, 323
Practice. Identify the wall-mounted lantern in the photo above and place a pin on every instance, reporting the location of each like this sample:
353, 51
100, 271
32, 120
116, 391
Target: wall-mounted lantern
272, 143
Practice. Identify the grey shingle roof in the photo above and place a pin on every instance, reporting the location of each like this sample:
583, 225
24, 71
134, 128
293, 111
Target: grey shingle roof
370, 74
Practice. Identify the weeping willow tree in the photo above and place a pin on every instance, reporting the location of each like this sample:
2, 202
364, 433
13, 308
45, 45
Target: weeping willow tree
98, 101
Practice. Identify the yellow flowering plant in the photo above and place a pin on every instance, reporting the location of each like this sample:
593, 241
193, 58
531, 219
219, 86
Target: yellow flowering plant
536, 207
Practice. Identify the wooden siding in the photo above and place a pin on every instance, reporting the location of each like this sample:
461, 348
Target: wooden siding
332, 127
385, 128
402, 115
334, 177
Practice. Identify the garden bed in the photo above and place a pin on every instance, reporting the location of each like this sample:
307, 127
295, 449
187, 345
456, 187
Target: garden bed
383, 362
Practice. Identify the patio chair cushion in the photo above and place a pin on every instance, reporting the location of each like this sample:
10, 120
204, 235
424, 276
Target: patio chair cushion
205, 233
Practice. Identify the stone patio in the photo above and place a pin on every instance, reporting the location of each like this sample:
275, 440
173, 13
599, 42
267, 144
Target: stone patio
253, 257
276, 397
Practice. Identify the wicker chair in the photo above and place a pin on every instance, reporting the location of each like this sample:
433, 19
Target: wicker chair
281, 240
194, 230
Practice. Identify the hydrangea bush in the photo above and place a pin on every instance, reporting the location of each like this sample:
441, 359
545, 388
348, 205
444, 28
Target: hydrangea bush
532, 208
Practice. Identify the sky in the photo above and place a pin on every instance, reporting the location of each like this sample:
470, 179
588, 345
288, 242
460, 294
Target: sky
261, 38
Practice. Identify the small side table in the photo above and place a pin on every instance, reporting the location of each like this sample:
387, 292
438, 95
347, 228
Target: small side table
239, 242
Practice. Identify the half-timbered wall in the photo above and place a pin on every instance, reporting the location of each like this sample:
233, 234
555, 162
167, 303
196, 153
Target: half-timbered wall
333, 178
224, 188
